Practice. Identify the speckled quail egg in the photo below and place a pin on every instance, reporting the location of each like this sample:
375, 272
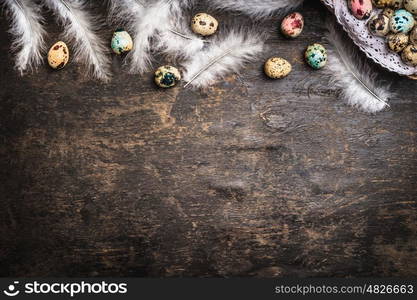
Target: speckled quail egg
397, 41
409, 55
380, 3
402, 21
396, 4
292, 25
121, 42
379, 25
413, 36
277, 68
361, 9
316, 56
167, 76
58, 55
411, 6
388, 3
204, 24
389, 12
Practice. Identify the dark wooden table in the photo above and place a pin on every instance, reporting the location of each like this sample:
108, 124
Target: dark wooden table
251, 177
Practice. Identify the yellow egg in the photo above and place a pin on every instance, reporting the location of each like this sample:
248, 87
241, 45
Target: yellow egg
397, 41
204, 24
409, 55
277, 68
58, 55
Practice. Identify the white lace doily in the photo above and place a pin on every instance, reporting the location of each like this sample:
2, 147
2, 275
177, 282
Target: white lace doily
374, 47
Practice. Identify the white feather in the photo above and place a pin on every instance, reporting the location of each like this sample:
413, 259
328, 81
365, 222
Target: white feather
154, 16
81, 28
178, 40
155, 26
353, 75
257, 8
28, 32
132, 13
223, 56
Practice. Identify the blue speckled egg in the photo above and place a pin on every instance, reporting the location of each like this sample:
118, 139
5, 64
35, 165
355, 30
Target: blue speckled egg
316, 56
121, 42
402, 21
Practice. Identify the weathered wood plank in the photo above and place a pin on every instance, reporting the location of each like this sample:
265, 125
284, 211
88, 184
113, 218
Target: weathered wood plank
261, 178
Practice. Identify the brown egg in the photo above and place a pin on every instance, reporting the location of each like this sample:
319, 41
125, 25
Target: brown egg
379, 25
411, 6
389, 12
397, 42
204, 24
388, 3
58, 55
413, 36
381, 3
409, 55
396, 4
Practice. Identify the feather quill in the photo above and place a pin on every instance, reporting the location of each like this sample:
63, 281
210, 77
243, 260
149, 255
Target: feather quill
81, 28
257, 9
156, 26
353, 75
28, 33
178, 40
223, 56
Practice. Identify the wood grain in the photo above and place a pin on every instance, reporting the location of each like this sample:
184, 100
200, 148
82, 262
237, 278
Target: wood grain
251, 177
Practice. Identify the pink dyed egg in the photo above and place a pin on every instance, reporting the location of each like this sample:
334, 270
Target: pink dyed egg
292, 25
361, 9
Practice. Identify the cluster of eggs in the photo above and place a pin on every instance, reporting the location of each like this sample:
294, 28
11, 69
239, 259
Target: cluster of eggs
396, 22
205, 25
315, 55
122, 43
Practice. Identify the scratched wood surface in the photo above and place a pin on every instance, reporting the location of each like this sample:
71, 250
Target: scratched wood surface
251, 177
